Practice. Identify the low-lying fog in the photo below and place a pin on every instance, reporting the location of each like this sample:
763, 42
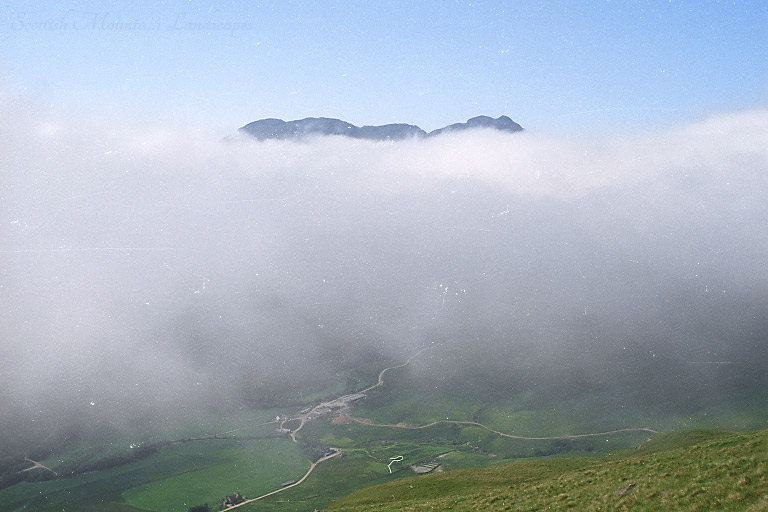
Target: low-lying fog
149, 266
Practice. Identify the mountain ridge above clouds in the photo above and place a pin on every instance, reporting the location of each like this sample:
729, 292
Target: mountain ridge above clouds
271, 128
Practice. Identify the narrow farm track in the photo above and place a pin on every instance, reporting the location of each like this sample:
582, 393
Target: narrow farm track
385, 370
37, 465
312, 467
303, 418
379, 383
363, 421
369, 423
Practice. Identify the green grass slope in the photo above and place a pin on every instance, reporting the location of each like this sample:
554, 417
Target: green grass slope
178, 477
695, 470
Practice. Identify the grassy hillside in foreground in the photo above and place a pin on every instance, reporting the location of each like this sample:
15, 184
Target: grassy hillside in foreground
695, 470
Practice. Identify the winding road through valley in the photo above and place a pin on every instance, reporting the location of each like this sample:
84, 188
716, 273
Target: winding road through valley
380, 382
303, 418
336, 452
369, 423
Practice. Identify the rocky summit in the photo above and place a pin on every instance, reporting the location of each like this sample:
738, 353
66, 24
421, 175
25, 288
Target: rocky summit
264, 129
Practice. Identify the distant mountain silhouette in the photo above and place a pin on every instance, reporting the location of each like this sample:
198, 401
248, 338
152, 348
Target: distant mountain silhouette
264, 129
503, 124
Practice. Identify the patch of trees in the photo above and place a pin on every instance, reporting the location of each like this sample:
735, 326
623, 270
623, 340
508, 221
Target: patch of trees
13, 464
557, 447
112, 461
39, 475
200, 508
10, 479
232, 499
12, 472
313, 449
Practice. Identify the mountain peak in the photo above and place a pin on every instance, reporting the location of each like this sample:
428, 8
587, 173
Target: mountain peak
272, 128
502, 123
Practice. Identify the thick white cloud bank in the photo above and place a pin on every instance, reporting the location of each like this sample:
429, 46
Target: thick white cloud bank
146, 264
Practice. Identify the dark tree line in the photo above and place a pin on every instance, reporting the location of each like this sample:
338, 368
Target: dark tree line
112, 461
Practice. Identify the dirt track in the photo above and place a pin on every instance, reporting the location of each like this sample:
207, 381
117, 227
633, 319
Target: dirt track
385, 370
380, 382
369, 423
312, 467
37, 465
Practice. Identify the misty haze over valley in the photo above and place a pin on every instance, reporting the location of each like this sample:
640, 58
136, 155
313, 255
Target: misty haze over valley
152, 272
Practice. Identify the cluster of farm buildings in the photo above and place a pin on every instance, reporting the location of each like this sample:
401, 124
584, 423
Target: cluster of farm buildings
325, 408
329, 407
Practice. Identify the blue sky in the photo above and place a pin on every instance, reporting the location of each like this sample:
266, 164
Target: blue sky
553, 66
